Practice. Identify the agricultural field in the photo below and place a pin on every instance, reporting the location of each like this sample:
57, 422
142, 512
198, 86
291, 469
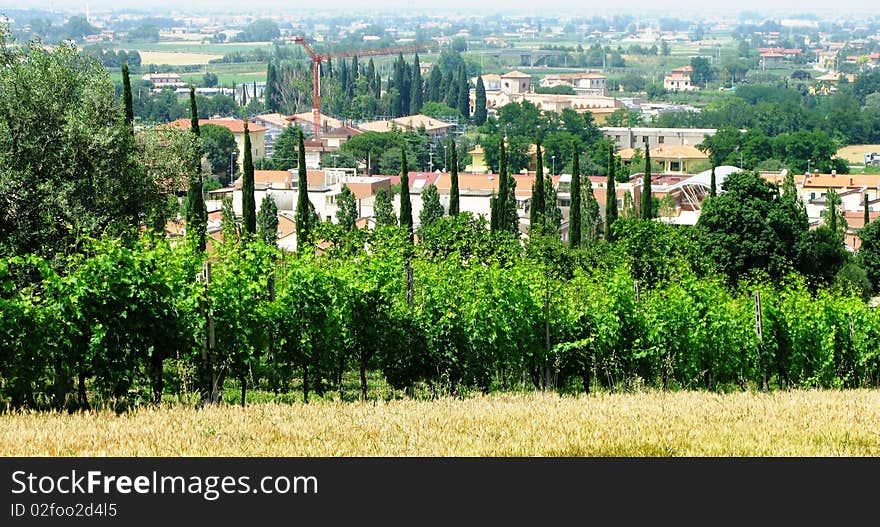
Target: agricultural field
651, 423
176, 58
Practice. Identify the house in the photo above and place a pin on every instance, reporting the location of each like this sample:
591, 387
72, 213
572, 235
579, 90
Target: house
516, 82
772, 60
164, 80
256, 133
586, 83
675, 159
679, 82
626, 137
434, 128
275, 123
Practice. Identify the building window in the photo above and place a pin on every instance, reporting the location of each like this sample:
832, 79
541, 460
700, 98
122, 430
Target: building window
660, 139
674, 166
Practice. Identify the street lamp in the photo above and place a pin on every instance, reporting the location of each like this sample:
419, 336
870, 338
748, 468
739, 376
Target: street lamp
809, 161
232, 156
553, 159
445, 158
431, 161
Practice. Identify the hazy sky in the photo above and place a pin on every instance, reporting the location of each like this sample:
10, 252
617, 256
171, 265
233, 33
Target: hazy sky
777, 8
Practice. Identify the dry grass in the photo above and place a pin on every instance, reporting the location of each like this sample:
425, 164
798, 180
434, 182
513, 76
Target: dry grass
800, 423
176, 58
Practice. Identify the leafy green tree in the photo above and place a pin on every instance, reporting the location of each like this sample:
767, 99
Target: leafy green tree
248, 200
69, 164
384, 209
285, 153
267, 221
219, 146
869, 252
703, 72
480, 105
751, 227
347, 214
432, 210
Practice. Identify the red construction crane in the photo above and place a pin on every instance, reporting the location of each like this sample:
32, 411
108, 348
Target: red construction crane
316, 70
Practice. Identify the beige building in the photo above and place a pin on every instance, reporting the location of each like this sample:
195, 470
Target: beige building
675, 159
587, 83
680, 80
256, 133
516, 87
435, 128
625, 137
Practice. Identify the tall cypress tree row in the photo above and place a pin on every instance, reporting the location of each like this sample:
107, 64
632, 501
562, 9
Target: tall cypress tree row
248, 200
406, 219
196, 211
647, 193
450, 90
126, 96
415, 94
453, 177
435, 84
303, 216
353, 75
464, 93
480, 103
537, 209
712, 191
574, 211
498, 203
398, 82
610, 196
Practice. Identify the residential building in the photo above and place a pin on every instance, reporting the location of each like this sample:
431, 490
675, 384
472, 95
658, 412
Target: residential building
634, 137
586, 83
256, 132
434, 128
275, 123
675, 159
164, 80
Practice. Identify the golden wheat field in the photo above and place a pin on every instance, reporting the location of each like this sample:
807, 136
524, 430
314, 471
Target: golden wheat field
797, 423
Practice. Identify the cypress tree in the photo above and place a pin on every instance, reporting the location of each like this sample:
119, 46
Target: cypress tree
371, 77
712, 182
303, 216
353, 75
193, 112
867, 211
267, 221
574, 211
450, 90
406, 219
243, 93
415, 95
536, 211
399, 84
343, 77
647, 193
271, 88
248, 201
464, 93
453, 177
610, 196
126, 96
497, 217
480, 103
435, 83
591, 218
196, 211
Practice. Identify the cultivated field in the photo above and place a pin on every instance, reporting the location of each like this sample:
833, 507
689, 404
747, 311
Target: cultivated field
798, 423
176, 58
